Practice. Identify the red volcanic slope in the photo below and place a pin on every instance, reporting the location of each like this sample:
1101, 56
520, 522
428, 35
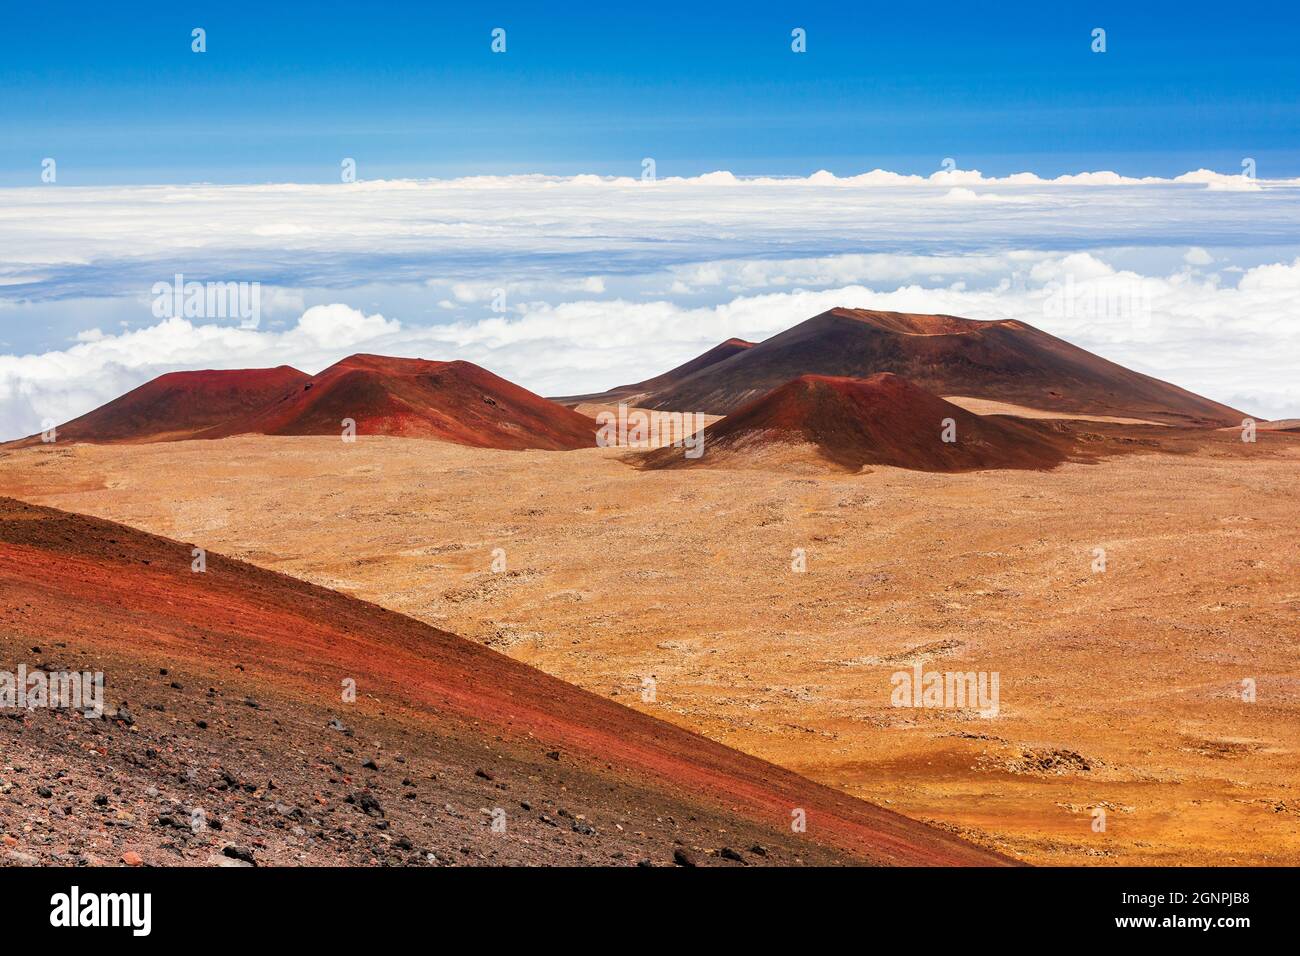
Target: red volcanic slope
1004, 361
724, 350
881, 420
134, 595
713, 356
414, 398
632, 393
178, 405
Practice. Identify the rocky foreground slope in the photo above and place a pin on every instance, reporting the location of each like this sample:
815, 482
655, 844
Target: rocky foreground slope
229, 737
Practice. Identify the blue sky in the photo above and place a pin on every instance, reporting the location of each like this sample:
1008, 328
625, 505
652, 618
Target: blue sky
285, 90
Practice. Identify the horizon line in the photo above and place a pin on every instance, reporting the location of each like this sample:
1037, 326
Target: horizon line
877, 176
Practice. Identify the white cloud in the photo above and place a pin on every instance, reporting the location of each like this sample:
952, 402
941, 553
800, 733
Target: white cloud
117, 241
1220, 181
339, 326
1194, 331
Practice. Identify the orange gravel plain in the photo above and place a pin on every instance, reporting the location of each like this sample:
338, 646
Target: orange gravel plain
1120, 690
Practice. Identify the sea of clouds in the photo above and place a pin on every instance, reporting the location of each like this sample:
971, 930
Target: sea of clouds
575, 284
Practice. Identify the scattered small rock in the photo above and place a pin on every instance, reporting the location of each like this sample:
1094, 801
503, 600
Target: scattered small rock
239, 853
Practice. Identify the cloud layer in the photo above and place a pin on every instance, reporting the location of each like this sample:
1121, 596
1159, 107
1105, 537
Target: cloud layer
575, 284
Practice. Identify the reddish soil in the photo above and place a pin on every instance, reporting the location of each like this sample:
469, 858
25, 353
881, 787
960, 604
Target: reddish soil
464, 728
1005, 361
414, 398
881, 420
179, 405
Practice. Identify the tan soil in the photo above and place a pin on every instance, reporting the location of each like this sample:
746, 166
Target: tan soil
665, 428
985, 406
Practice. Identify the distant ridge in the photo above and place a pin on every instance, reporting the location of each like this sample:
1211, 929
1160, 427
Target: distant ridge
1005, 361
412, 398
631, 393
179, 405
